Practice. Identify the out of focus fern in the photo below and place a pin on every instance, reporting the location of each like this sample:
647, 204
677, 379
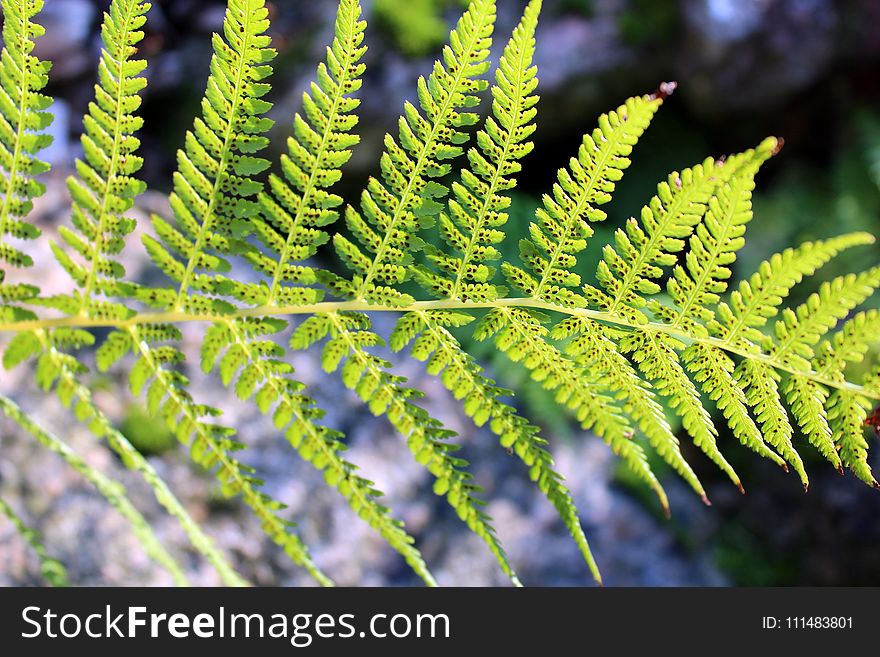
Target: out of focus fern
663, 331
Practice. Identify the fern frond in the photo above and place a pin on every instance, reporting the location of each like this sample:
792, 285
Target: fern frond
214, 190
384, 393
211, 445
105, 188
261, 376
407, 197
476, 213
23, 122
113, 491
563, 225
52, 570
460, 373
522, 337
297, 205
61, 372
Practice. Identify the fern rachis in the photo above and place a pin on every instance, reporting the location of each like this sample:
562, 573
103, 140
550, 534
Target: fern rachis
612, 354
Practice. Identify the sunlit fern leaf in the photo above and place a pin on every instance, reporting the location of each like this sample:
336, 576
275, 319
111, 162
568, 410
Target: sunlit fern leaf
477, 211
298, 204
593, 347
563, 225
522, 336
482, 401
348, 338
240, 355
214, 197
113, 491
757, 299
211, 445
610, 353
471, 228
23, 122
52, 570
646, 247
847, 412
105, 187
292, 212
656, 356
408, 195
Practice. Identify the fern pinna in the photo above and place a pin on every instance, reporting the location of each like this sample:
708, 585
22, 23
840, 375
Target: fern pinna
661, 328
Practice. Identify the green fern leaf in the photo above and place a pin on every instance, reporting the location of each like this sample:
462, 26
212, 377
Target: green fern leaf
23, 121
407, 197
105, 188
476, 213
563, 225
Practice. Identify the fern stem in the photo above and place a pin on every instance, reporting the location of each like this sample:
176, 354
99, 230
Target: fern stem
113, 491
326, 307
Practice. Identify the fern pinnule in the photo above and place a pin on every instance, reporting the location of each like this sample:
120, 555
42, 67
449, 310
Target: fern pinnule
297, 205
563, 225
106, 188
476, 211
23, 122
657, 357
214, 189
408, 196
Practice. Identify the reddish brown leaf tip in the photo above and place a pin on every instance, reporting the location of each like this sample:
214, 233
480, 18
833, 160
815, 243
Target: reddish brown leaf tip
665, 90
784, 466
780, 142
741, 489
706, 501
840, 470
667, 512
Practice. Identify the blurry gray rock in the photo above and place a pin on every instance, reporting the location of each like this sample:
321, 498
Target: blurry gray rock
69, 25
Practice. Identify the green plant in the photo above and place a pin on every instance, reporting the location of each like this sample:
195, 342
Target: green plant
612, 353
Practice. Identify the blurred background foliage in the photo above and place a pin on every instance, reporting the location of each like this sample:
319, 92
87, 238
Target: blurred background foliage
804, 70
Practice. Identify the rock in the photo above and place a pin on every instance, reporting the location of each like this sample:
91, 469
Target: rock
69, 25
